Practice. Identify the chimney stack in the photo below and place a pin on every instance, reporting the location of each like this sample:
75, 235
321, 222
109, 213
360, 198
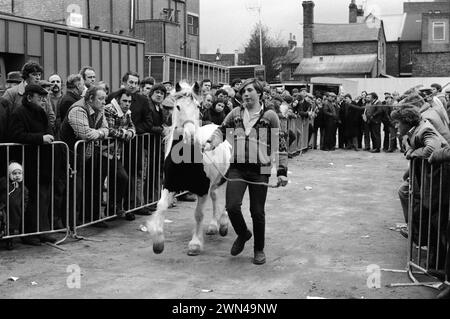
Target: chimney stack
360, 15
353, 12
308, 28
292, 44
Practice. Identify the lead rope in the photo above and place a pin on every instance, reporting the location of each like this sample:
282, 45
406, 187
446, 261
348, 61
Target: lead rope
239, 179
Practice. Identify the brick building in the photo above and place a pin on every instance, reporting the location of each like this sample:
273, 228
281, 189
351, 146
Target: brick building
418, 43
356, 49
167, 26
225, 59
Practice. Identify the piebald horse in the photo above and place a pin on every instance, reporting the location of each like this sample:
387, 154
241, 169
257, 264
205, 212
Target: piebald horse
187, 168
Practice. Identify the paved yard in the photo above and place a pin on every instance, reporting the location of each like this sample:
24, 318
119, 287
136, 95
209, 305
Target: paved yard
320, 242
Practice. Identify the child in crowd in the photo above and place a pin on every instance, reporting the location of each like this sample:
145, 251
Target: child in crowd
12, 186
215, 114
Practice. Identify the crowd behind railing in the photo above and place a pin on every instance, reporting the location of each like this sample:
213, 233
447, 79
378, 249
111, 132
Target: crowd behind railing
83, 155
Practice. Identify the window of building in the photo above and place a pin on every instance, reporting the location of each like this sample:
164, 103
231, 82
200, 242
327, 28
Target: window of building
438, 31
193, 24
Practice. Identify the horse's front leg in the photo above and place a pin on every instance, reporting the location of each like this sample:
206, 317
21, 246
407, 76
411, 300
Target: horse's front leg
213, 228
155, 223
196, 244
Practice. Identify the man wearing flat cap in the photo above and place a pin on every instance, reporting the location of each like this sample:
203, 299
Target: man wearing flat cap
13, 79
29, 125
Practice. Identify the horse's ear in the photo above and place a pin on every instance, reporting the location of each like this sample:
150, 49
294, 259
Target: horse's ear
178, 87
196, 89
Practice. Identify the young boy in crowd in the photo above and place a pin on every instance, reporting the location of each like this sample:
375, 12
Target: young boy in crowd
13, 188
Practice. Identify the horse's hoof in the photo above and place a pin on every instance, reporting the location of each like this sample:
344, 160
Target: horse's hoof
158, 248
194, 250
193, 253
223, 231
212, 232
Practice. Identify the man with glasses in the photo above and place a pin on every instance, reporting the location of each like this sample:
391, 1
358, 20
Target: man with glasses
29, 125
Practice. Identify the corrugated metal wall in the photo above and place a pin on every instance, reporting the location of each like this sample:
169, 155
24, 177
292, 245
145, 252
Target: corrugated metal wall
65, 50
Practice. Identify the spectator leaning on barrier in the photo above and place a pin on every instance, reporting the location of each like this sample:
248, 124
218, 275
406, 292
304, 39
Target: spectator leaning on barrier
442, 157
121, 127
85, 121
140, 115
29, 125
420, 138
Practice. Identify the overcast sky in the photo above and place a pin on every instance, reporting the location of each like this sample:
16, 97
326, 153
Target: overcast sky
227, 24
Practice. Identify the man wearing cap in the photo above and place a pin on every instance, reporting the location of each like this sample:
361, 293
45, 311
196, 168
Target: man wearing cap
13, 79
29, 125
31, 74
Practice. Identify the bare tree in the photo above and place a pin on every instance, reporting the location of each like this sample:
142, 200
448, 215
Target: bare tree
272, 50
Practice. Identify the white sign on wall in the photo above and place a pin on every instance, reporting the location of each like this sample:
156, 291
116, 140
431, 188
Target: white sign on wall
75, 18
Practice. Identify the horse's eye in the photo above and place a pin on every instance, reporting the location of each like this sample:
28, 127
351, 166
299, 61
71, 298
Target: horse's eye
178, 107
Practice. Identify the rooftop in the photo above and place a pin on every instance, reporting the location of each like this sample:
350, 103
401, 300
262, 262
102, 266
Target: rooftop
337, 64
353, 32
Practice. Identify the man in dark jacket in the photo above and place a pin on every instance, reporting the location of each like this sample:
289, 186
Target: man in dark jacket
373, 115
75, 87
331, 121
29, 125
141, 117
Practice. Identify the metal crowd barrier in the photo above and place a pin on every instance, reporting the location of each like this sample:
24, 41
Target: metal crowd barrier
428, 220
38, 205
300, 129
105, 184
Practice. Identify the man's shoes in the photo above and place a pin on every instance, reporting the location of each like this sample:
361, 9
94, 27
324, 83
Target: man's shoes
31, 241
47, 239
375, 151
390, 151
189, 197
100, 225
367, 149
404, 233
143, 212
9, 244
445, 294
130, 217
239, 243
260, 258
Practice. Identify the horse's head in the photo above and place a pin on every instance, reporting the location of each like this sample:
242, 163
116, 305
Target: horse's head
186, 113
